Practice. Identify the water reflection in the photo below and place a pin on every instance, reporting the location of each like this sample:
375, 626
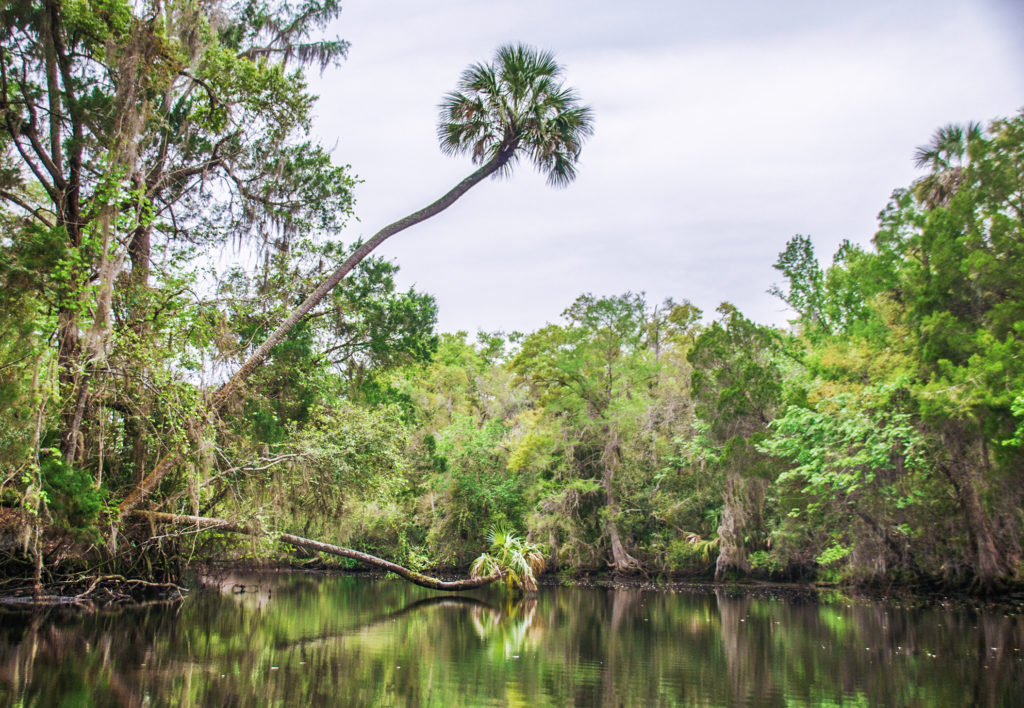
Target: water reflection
307, 640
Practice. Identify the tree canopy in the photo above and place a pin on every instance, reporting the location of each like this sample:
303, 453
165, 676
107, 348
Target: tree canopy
300, 394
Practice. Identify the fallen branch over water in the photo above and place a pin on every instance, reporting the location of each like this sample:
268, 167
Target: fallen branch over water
213, 524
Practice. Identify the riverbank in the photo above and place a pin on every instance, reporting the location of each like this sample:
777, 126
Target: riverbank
1010, 601
88, 593
92, 593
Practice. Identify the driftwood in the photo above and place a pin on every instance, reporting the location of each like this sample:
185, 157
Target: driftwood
103, 590
213, 524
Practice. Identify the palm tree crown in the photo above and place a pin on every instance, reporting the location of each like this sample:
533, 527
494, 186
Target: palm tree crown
946, 156
516, 106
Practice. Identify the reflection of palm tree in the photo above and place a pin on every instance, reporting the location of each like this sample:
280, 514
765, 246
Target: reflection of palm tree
511, 630
461, 602
945, 156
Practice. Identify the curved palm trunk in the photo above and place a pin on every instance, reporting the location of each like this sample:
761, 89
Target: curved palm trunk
160, 470
206, 522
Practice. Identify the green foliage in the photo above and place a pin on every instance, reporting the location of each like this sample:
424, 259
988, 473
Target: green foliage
849, 442
1017, 408
516, 560
73, 499
877, 442
806, 282
593, 378
882, 438
692, 553
764, 562
736, 383
833, 553
513, 107
476, 488
837, 300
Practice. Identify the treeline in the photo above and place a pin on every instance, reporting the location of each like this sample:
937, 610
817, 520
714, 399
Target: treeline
878, 440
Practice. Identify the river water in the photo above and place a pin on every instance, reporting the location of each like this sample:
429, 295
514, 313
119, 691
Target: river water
308, 640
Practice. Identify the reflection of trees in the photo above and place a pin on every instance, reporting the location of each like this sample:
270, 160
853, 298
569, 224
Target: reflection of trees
221, 648
997, 652
356, 641
747, 656
622, 603
24, 666
510, 630
461, 603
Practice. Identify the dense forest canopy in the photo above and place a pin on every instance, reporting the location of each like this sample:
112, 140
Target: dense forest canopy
880, 438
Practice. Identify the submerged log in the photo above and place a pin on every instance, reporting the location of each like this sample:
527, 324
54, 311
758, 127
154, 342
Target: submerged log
214, 524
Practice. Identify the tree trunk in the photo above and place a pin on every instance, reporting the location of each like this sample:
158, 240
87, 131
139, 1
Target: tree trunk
160, 470
622, 561
205, 522
731, 555
90, 345
990, 567
139, 252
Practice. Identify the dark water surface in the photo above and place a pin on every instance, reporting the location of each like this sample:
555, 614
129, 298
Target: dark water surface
300, 640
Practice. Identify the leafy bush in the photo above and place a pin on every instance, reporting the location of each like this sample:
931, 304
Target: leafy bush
692, 553
74, 500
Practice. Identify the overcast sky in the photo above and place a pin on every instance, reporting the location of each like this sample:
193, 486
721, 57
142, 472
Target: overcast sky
722, 129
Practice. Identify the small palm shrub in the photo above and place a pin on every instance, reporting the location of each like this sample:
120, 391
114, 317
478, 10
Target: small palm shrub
515, 560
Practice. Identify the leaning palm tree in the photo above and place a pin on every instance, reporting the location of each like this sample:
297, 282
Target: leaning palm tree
946, 156
513, 108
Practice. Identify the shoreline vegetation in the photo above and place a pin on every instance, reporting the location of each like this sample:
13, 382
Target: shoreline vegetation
878, 441
102, 593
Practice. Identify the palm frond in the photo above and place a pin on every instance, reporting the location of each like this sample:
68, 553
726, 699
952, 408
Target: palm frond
515, 559
516, 106
946, 156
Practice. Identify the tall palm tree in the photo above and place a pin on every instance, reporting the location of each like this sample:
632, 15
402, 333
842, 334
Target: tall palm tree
512, 108
946, 156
